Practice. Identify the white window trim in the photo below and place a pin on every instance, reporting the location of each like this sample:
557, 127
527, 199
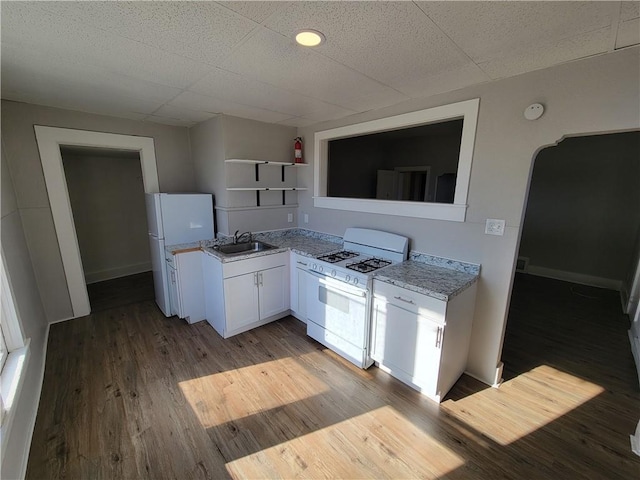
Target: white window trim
13, 371
49, 140
467, 110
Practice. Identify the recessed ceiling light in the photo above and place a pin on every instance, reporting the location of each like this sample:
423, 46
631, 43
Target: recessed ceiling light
309, 38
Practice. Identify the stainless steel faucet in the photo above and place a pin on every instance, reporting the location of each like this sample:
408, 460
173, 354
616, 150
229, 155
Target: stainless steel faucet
236, 237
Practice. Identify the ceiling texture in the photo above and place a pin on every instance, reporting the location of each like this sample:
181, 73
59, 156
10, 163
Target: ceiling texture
180, 63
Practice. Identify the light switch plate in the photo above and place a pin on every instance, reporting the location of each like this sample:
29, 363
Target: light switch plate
494, 227
306, 218
289, 217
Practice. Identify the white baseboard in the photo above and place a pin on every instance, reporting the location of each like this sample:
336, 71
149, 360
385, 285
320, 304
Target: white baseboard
573, 277
497, 377
111, 273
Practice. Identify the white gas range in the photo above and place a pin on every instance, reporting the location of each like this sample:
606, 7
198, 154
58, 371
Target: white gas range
339, 290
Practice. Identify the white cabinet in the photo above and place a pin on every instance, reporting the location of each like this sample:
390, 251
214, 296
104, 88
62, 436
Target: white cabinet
241, 301
419, 339
186, 289
298, 279
245, 294
273, 291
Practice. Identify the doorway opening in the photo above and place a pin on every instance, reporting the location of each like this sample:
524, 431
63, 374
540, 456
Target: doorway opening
49, 140
579, 254
106, 193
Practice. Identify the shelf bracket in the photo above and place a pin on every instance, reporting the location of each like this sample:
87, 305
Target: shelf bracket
283, 196
257, 172
283, 175
257, 197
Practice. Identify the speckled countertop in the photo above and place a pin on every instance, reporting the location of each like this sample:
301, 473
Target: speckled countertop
437, 277
301, 241
432, 280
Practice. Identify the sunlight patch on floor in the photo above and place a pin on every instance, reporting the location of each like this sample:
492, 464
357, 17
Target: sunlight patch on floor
239, 393
522, 405
381, 443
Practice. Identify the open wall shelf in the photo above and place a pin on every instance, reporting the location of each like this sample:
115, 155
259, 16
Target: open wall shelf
257, 189
266, 162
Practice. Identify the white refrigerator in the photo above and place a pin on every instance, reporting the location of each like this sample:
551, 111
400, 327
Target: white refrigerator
175, 218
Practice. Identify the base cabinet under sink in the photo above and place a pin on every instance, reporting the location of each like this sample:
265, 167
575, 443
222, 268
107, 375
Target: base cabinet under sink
420, 340
245, 294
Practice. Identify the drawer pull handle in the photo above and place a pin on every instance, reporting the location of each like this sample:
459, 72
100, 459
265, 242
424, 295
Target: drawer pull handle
404, 300
301, 263
439, 337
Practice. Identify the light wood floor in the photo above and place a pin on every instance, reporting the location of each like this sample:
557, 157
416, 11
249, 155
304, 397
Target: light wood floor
131, 394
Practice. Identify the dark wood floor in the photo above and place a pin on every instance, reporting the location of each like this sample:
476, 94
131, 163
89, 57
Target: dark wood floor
131, 394
120, 291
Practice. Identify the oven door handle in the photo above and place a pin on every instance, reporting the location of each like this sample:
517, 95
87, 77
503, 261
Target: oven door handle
339, 286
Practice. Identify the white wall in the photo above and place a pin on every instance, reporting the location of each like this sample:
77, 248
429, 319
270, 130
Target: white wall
226, 137
108, 204
34, 325
175, 172
598, 94
583, 213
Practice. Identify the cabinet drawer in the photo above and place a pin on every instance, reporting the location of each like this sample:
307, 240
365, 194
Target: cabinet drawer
249, 265
423, 305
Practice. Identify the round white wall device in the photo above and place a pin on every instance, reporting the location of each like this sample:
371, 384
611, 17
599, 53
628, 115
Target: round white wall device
533, 111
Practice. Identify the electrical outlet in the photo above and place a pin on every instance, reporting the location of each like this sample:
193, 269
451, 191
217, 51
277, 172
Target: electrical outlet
494, 227
306, 218
289, 217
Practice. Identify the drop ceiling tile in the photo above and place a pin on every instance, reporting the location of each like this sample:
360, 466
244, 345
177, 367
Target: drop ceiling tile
63, 100
552, 53
29, 27
628, 33
256, 11
204, 103
184, 114
298, 122
203, 31
174, 122
629, 10
258, 114
247, 91
447, 81
490, 30
271, 58
34, 72
388, 41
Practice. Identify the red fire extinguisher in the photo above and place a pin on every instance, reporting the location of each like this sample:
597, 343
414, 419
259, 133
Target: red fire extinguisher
297, 149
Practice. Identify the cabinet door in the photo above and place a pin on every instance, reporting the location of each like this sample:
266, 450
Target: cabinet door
407, 344
302, 294
297, 281
190, 286
273, 291
241, 301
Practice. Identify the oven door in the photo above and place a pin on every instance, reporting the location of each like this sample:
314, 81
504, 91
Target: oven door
339, 308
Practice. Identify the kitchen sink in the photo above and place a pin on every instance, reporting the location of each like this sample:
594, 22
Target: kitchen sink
242, 248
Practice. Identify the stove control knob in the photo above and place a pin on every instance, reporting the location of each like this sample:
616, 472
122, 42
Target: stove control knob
320, 269
314, 266
333, 273
355, 281
347, 278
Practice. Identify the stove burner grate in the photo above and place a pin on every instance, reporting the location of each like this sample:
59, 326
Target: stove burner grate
338, 256
369, 265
